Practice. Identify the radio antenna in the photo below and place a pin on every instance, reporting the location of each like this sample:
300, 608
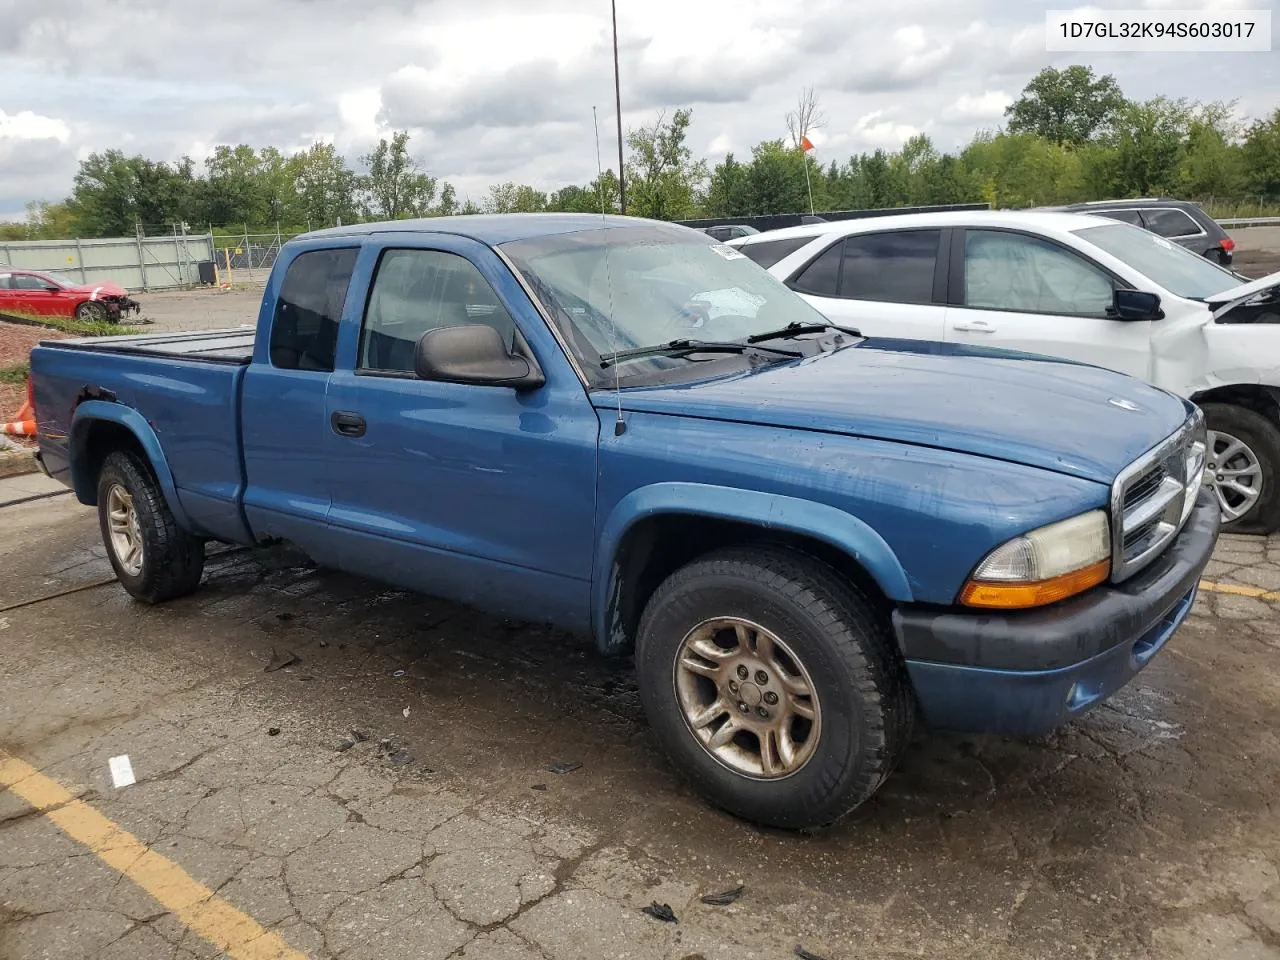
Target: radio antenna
619, 425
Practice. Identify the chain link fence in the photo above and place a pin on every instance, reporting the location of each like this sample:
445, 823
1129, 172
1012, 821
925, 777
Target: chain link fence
248, 257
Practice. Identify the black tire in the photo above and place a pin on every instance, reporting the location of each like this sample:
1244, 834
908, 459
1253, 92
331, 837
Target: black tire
846, 645
91, 311
172, 560
1262, 436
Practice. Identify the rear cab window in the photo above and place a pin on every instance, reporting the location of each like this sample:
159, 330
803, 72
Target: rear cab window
304, 330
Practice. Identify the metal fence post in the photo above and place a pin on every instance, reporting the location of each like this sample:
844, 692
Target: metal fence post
142, 261
248, 252
80, 260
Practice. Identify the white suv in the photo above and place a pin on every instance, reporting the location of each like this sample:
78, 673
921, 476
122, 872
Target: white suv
1065, 285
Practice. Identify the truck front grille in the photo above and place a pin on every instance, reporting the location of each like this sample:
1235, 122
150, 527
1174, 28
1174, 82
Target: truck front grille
1153, 496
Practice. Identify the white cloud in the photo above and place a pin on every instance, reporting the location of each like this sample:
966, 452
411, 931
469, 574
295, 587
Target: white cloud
26, 125
877, 130
492, 92
983, 106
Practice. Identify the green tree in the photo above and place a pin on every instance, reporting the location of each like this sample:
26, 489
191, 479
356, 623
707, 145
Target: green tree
728, 190
600, 195
278, 188
326, 186
514, 198
235, 191
1066, 106
395, 186
775, 179
448, 204
1261, 155
662, 177
1213, 164
1020, 170
50, 221
113, 193
1148, 147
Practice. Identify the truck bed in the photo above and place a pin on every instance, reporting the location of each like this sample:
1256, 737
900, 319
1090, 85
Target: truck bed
179, 393
233, 345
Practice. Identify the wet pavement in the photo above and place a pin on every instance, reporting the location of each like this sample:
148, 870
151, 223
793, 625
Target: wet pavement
390, 794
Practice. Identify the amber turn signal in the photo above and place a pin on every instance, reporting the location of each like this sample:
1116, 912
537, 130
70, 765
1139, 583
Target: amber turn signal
1019, 596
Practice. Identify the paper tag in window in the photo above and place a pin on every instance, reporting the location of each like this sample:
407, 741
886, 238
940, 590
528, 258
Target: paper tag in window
728, 252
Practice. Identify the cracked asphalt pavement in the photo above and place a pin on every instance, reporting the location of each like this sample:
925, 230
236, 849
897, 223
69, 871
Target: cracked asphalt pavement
390, 794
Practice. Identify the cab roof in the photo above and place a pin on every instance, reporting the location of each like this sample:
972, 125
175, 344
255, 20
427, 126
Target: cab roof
493, 229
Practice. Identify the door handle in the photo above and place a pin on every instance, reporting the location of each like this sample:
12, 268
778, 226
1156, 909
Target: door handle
347, 424
974, 326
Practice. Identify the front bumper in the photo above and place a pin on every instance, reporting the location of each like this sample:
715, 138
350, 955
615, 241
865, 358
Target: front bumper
123, 306
1032, 671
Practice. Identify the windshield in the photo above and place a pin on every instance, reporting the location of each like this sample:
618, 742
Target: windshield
656, 284
1175, 268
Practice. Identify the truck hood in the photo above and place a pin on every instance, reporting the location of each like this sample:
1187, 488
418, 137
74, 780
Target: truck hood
1057, 415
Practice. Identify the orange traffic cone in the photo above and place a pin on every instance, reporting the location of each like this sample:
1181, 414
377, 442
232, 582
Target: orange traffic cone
24, 425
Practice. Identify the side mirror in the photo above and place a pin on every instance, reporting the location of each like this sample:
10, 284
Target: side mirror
52, 288
473, 353
1135, 305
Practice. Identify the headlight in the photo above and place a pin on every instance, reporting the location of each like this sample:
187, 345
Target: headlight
1043, 566
1197, 454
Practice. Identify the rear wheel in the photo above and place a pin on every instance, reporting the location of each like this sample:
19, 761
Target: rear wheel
774, 685
154, 558
1242, 468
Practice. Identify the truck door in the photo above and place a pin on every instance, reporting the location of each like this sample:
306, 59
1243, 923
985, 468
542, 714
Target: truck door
475, 493
283, 419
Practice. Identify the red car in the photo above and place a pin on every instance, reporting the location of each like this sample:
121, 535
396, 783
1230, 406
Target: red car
28, 294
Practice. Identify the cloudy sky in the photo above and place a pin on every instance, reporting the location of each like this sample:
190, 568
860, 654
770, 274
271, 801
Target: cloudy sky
496, 90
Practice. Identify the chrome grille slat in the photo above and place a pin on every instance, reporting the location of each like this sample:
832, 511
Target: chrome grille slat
1145, 485
1148, 500
1147, 509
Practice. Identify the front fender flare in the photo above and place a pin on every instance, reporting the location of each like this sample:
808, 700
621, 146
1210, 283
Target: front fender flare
93, 411
769, 511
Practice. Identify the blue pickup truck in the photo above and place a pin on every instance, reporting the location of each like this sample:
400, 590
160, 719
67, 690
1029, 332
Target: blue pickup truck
808, 539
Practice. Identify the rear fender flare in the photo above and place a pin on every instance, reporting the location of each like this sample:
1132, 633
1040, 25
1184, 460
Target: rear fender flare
93, 411
765, 510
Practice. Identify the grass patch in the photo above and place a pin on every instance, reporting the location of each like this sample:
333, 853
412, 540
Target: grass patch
80, 328
18, 374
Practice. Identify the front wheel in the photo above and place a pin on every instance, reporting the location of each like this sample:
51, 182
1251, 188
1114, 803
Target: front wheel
154, 559
92, 311
1242, 467
774, 685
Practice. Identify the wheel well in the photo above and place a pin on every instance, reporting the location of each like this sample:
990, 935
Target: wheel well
1251, 396
654, 548
102, 438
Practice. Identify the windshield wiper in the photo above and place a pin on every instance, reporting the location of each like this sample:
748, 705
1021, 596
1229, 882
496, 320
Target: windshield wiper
796, 329
675, 348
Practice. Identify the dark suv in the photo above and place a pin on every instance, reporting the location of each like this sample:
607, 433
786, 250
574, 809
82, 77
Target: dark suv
1181, 221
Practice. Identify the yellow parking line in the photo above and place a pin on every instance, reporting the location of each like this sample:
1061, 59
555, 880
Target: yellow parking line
1239, 591
194, 904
